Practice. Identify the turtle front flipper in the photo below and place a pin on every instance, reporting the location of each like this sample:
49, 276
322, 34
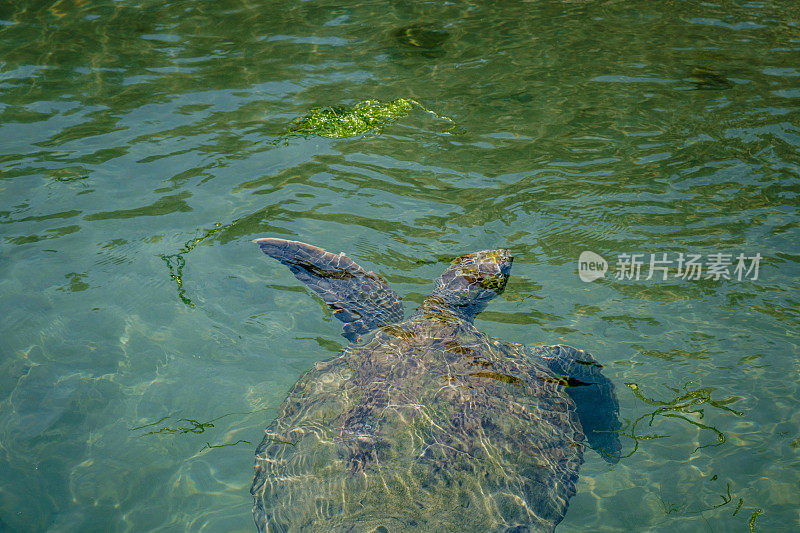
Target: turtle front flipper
593, 394
360, 299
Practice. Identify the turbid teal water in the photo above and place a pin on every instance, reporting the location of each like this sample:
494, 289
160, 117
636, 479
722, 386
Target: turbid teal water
146, 343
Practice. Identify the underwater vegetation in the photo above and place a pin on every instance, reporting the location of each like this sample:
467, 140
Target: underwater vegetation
693, 508
684, 404
194, 426
191, 426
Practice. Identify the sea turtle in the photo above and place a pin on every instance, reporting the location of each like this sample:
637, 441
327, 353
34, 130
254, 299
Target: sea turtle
426, 423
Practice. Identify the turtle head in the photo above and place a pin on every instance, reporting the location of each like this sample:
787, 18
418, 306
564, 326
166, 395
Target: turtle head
470, 282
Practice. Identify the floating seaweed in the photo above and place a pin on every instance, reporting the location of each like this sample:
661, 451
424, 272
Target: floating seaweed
365, 117
175, 262
195, 427
752, 522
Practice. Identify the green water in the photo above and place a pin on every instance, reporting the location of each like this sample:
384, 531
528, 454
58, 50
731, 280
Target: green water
140, 152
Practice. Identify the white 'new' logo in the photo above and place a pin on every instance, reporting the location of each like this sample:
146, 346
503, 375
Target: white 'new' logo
591, 266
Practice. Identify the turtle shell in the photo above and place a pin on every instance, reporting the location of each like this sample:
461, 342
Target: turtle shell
425, 425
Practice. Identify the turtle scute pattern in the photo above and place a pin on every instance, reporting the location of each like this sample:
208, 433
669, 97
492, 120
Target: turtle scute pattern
425, 425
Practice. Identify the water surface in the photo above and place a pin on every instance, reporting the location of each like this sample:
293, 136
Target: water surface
145, 342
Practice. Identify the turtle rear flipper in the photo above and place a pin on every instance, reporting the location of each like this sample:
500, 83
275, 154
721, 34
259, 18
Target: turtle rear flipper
593, 394
360, 299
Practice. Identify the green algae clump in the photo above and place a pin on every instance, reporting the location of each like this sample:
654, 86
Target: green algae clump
365, 117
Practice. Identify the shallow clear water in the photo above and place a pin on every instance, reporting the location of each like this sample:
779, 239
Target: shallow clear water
145, 343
